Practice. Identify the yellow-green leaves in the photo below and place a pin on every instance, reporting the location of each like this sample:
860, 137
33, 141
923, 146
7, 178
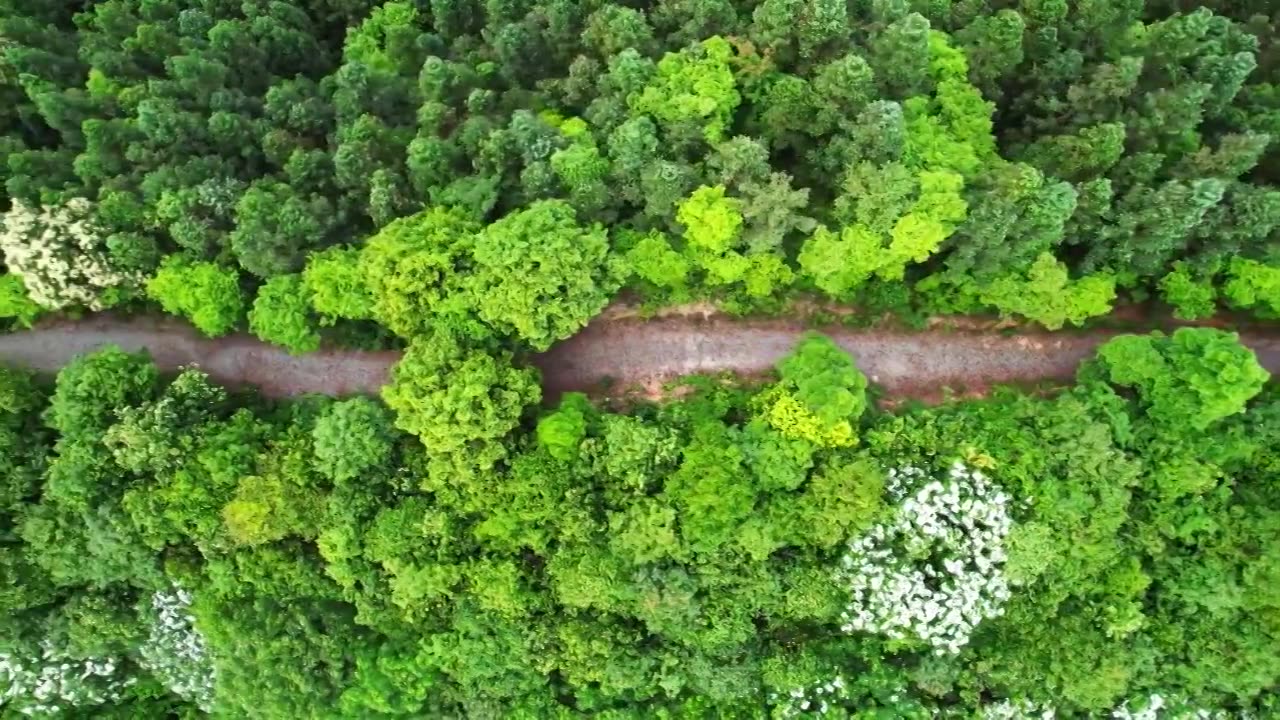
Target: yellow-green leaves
713, 237
819, 397
1187, 381
205, 293
337, 286
838, 264
458, 401
694, 85
711, 221
1253, 285
282, 315
946, 62
266, 509
1192, 297
410, 267
539, 274
653, 260
1046, 294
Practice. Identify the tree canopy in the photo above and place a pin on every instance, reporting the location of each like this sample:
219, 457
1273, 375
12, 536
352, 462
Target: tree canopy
1038, 159
737, 552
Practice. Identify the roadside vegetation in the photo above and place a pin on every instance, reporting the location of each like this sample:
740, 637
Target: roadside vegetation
472, 181
737, 553
304, 169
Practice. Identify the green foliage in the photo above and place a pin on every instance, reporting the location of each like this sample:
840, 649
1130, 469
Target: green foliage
264, 510
205, 293
1048, 296
281, 314
336, 285
1251, 284
353, 439
819, 396
653, 260
411, 268
92, 387
1120, 140
458, 401
500, 169
540, 275
712, 222
275, 226
888, 232
676, 561
1191, 379
562, 431
695, 85
14, 302
1192, 298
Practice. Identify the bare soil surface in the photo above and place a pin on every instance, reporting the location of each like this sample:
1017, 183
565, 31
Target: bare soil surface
236, 360
616, 353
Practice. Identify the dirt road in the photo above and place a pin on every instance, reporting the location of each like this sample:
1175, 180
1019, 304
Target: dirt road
618, 352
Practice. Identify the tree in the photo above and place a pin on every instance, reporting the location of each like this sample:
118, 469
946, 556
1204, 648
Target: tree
205, 293
653, 260
414, 269
458, 401
58, 253
900, 57
1045, 293
819, 396
992, 44
712, 222
281, 314
15, 303
1253, 285
93, 387
157, 437
353, 439
1187, 381
336, 285
276, 226
840, 263
1192, 298
695, 86
541, 275
799, 28
614, 28
844, 86
562, 431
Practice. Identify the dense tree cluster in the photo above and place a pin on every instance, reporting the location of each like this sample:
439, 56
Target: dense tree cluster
473, 180
736, 553
1039, 158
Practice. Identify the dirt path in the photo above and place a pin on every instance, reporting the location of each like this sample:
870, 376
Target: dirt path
613, 352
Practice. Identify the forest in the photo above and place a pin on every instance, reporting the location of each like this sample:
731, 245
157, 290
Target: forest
472, 181
319, 169
787, 550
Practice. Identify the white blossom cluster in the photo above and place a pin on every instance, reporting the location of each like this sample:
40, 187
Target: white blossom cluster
816, 699
1017, 710
175, 652
51, 683
1154, 707
58, 253
1158, 707
934, 570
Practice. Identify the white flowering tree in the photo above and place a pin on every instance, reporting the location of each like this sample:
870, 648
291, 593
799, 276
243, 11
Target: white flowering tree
932, 571
816, 699
1152, 707
59, 253
175, 652
54, 682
